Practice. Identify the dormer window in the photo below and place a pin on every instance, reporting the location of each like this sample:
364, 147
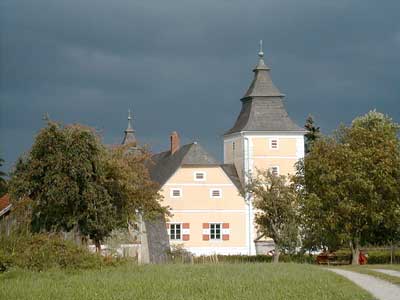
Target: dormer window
200, 176
273, 143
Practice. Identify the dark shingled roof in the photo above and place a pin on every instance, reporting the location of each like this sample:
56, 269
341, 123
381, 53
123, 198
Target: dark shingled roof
165, 164
262, 106
231, 172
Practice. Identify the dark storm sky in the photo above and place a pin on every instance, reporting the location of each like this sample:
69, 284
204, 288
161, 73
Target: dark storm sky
184, 65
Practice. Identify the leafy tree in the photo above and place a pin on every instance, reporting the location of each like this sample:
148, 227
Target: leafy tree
276, 204
351, 183
313, 133
76, 184
3, 182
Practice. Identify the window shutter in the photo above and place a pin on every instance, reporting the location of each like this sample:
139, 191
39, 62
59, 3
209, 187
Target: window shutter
225, 231
206, 231
185, 231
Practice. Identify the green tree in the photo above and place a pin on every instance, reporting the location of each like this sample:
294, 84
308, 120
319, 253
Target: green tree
76, 184
275, 201
3, 181
313, 133
351, 183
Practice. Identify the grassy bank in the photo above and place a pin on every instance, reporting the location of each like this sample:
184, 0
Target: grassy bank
222, 281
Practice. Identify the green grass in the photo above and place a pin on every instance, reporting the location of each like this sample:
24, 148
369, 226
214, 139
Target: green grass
221, 281
369, 270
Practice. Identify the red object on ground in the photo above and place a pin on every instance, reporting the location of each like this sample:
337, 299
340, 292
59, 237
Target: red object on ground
362, 259
4, 202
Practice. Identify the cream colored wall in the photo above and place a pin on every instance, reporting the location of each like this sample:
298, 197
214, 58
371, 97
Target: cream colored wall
286, 147
237, 227
286, 165
196, 207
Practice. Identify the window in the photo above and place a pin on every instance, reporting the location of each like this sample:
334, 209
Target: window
175, 231
273, 144
215, 231
274, 170
176, 193
233, 146
216, 193
199, 176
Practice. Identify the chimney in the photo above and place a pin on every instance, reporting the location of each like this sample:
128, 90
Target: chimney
175, 144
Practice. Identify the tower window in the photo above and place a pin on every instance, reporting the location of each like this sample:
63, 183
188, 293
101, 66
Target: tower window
273, 143
274, 170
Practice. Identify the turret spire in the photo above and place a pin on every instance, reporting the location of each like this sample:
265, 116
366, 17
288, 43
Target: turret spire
129, 137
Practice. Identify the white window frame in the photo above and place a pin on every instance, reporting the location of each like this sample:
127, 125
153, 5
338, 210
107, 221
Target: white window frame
171, 192
220, 231
277, 170
216, 197
180, 231
270, 143
199, 172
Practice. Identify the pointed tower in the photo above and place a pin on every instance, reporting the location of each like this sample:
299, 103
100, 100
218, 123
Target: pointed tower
263, 137
129, 137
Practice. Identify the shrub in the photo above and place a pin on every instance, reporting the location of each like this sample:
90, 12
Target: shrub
295, 258
41, 252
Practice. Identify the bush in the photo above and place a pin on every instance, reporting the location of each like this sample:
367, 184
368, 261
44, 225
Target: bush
382, 257
41, 252
293, 258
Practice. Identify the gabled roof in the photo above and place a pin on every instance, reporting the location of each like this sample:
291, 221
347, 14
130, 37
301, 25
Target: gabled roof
165, 164
262, 105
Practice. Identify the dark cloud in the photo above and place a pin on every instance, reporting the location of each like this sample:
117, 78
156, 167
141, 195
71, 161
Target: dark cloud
184, 65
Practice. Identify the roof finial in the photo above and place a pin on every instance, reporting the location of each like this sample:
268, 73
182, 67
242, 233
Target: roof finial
46, 117
261, 53
129, 119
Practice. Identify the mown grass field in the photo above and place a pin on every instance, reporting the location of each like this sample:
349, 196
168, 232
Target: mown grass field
222, 281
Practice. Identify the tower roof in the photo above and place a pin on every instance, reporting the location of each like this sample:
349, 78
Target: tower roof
262, 105
129, 137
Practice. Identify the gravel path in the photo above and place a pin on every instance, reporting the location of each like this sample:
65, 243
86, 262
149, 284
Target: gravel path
380, 289
388, 272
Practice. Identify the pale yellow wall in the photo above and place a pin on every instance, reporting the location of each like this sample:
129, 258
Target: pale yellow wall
286, 147
286, 165
196, 194
196, 197
237, 227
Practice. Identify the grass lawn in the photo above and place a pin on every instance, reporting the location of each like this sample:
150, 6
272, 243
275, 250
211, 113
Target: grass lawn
222, 281
369, 270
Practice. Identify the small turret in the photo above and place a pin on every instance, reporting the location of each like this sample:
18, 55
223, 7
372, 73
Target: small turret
129, 137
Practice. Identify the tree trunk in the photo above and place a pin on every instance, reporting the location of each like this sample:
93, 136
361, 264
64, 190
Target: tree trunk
276, 255
391, 252
98, 246
355, 251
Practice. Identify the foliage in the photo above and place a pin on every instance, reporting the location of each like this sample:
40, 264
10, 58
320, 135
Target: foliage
3, 182
350, 184
76, 184
275, 201
40, 252
178, 281
313, 133
239, 259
